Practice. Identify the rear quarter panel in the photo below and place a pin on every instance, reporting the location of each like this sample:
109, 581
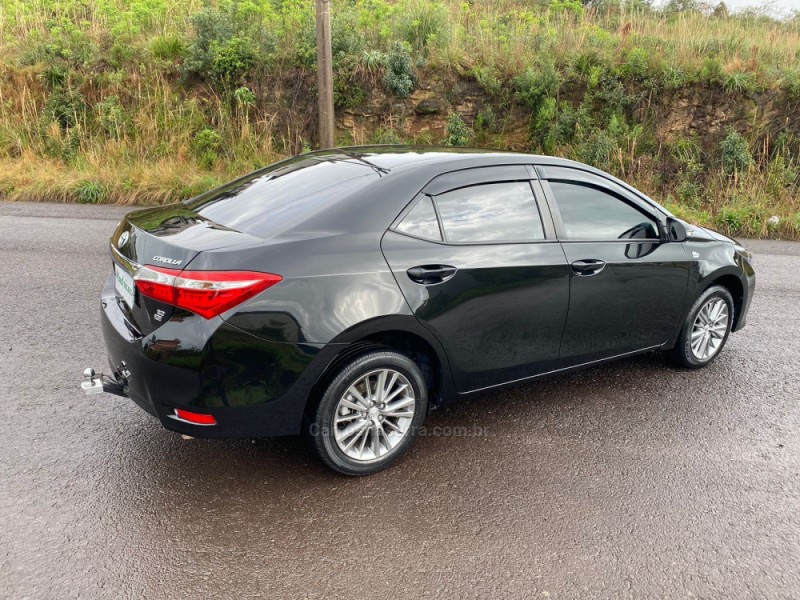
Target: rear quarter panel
330, 284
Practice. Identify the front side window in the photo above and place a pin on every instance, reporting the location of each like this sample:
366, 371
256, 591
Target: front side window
490, 213
592, 214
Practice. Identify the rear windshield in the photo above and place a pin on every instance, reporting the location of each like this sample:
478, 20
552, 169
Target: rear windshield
276, 199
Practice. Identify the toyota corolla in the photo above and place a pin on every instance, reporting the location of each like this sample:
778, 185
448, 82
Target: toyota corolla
345, 293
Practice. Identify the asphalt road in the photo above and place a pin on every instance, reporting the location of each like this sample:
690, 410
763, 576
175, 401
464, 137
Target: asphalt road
634, 480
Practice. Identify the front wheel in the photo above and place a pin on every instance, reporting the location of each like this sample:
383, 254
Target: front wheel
369, 413
706, 329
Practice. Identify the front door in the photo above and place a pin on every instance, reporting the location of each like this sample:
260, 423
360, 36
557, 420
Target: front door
627, 282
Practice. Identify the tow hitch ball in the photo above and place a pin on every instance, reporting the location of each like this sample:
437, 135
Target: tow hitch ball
93, 384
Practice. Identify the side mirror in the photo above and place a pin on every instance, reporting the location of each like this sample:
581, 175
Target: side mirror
676, 230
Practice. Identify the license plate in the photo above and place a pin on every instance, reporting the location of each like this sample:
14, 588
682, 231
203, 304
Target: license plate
123, 282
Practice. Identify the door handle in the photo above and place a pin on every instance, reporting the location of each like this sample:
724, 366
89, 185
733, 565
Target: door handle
588, 266
430, 274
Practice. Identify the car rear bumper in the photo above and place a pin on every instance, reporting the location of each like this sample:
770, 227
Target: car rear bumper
252, 387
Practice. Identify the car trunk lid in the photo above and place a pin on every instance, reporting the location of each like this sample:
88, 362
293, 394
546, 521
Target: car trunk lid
166, 237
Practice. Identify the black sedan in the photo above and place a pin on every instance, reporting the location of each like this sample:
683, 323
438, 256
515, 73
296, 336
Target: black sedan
345, 293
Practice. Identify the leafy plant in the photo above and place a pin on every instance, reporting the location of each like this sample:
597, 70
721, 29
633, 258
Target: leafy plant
168, 47
740, 83
223, 49
231, 59
206, 145
739, 220
400, 78
244, 97
91, 192
456, 131
636, 65
423, 22
63, 106
736, 155
536, 84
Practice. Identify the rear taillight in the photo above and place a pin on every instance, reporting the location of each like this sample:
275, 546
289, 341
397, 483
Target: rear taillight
206, 293
195, 418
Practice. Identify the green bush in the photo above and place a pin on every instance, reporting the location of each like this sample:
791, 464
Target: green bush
63, 106
456, 131
67, 43
536, 84
54, 76
636, 66
736, 155
223, 50
372, 61
400, 78
347, 91
487, 120
686, 151
206, 145
795, 222
231, 59
346, 39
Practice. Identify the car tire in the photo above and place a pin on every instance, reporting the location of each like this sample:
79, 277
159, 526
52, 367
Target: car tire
703, 336
369, 413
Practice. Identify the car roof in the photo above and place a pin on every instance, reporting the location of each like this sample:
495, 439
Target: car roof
439, 159
356, 189
426, 162
400, 157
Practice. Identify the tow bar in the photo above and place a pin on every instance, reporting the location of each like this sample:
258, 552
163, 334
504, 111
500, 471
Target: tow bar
93, 384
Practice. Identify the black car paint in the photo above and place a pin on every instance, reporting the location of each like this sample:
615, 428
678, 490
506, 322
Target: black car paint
498, 320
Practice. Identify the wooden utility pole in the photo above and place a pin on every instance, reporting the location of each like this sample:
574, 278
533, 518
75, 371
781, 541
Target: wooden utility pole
325, 75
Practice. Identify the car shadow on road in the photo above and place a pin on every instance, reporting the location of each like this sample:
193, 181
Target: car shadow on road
289, 463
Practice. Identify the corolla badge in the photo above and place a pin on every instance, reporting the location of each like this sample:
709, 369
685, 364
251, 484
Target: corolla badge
123, 239
169, 261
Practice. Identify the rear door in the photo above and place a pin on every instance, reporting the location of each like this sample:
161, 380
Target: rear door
627, 282
477, 260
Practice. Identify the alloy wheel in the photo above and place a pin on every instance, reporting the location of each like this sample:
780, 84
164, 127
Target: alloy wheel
374, 415
709, 329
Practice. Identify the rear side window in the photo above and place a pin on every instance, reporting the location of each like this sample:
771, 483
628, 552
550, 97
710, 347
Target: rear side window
492, 212
421, 221
592, 214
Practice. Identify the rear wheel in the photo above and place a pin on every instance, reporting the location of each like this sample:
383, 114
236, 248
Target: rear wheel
369, 413
706, 329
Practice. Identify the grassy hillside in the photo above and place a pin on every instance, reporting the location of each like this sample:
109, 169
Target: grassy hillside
147, 101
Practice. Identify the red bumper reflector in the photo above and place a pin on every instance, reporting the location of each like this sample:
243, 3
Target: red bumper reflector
196, 418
